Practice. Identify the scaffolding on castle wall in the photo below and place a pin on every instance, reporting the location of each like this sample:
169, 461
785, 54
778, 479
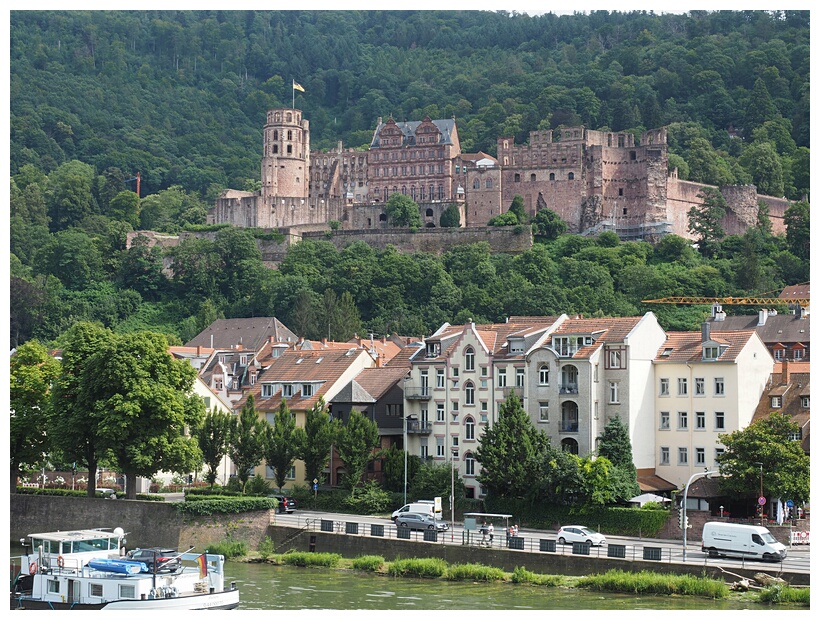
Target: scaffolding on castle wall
635, 232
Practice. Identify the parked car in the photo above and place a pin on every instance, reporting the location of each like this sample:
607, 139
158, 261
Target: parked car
167, 559
286, 504
579, 533
418, 521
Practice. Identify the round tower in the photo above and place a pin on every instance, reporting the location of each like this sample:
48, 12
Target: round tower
285, 155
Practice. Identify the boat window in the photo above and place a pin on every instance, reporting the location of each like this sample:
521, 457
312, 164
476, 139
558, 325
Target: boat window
128, 591
95, 589
53, 586
49, 546
95, 544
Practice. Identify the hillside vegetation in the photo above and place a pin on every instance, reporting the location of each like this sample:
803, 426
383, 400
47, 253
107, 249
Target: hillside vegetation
181, 97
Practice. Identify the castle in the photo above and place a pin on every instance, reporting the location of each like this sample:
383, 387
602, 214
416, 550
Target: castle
595, 180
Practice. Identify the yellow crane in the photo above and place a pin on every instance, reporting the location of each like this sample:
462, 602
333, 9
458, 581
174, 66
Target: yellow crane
749, 300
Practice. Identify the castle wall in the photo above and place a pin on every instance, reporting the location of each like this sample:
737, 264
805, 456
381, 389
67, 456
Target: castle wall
435, 241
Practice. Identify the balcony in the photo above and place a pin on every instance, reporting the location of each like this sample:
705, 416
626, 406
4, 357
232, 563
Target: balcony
416, 427
568, 388
417, 393
568, 427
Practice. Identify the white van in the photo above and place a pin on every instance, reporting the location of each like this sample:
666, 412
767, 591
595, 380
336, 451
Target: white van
425, 507
743, 541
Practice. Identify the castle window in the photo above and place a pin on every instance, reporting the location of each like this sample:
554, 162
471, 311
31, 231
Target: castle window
620, 191
517, 178
289, 117
429, 213
383, 217
476, 184
290, 135
489, 184
552, 176
632, 155
532, 178
290, 149
571, 176
275, 148
275, 135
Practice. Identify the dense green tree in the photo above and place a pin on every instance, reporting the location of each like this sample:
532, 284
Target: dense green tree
74, 257
141, 400
763, 163
436, 480
393, 466
450, 217
70, 198
247, 443
73, 426
141, 269
765, 448
760, 108
315, 439
402, 211
510, 451
280, 444
798, 232
213, 437
508, 218
125, 206
517, 208
615, 445
31, 374
705, 220
548, 225
355, 443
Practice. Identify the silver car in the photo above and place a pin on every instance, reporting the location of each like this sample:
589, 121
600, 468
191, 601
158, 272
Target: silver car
417, 521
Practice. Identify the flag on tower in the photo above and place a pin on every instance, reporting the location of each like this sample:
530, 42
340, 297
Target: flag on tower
298, 86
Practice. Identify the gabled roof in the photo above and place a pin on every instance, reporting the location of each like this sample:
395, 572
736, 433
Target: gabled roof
353, 393
406, 355
370, 385
251, 333
688, 346
795, 291
320, 368
791, 382
603, 329
777, 328
408, 129
494, 336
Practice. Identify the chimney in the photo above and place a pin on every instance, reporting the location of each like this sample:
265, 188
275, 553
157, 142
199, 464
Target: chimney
717, 312
705, 332
199, 350
762, 315
784, 377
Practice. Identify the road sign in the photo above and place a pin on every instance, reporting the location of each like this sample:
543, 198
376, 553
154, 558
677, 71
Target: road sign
789, 503
315, 486
761, 500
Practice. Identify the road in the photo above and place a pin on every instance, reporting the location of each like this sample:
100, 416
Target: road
797, 560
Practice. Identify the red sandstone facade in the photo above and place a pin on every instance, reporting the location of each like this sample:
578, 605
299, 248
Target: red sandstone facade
594, 180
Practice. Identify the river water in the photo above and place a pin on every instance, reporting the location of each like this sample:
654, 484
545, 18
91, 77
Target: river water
263, 586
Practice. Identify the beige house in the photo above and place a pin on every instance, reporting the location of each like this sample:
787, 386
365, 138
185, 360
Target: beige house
706, 385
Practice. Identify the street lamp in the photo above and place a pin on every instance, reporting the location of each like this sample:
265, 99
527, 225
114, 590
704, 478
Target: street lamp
404, 444
453, 492
685, 493
760, 506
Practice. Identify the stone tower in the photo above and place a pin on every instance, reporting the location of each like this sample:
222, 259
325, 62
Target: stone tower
285, 158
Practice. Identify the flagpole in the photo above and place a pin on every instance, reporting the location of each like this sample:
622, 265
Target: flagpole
292, 95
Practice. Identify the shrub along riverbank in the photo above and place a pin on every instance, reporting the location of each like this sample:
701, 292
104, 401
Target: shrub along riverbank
643, 582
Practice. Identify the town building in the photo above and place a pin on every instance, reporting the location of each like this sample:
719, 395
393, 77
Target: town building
787, 336
706, 385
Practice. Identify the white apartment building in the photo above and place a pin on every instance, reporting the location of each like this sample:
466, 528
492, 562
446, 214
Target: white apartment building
589, 371
706, 385
459, 379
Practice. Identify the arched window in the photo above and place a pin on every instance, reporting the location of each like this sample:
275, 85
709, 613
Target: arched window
569, 445
469, 393
569, 379
429, 213
544, 374
382, 217
532, 178
569, 417
469, 359
469, 464
476, 184
469, 428
552, 176
571, 176
488, 184
517, 178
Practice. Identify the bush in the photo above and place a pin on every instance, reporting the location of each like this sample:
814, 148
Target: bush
257, 486
266, 548
474, 572
522, 575
645, 582
229, 548
370, 499
370, 563
418, 567
302, 558
208, 507
779, 593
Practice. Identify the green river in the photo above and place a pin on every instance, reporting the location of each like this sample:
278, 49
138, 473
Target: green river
263, 586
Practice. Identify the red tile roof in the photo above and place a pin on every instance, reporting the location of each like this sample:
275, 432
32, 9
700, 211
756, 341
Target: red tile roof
688, 346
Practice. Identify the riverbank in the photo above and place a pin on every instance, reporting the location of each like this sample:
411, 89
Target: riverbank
612, 581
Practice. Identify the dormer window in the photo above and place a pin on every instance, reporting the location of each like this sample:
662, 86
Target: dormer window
307, 390
287, 390
711, 352
433, 349
777, 402
517, 345
267, 390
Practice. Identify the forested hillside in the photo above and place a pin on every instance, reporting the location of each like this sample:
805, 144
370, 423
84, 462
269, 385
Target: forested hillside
181, 97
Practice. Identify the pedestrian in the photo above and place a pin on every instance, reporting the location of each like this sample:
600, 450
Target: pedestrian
490, 530
515, 529
483, 530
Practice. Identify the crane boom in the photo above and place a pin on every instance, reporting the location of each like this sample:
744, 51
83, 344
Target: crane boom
728, 301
